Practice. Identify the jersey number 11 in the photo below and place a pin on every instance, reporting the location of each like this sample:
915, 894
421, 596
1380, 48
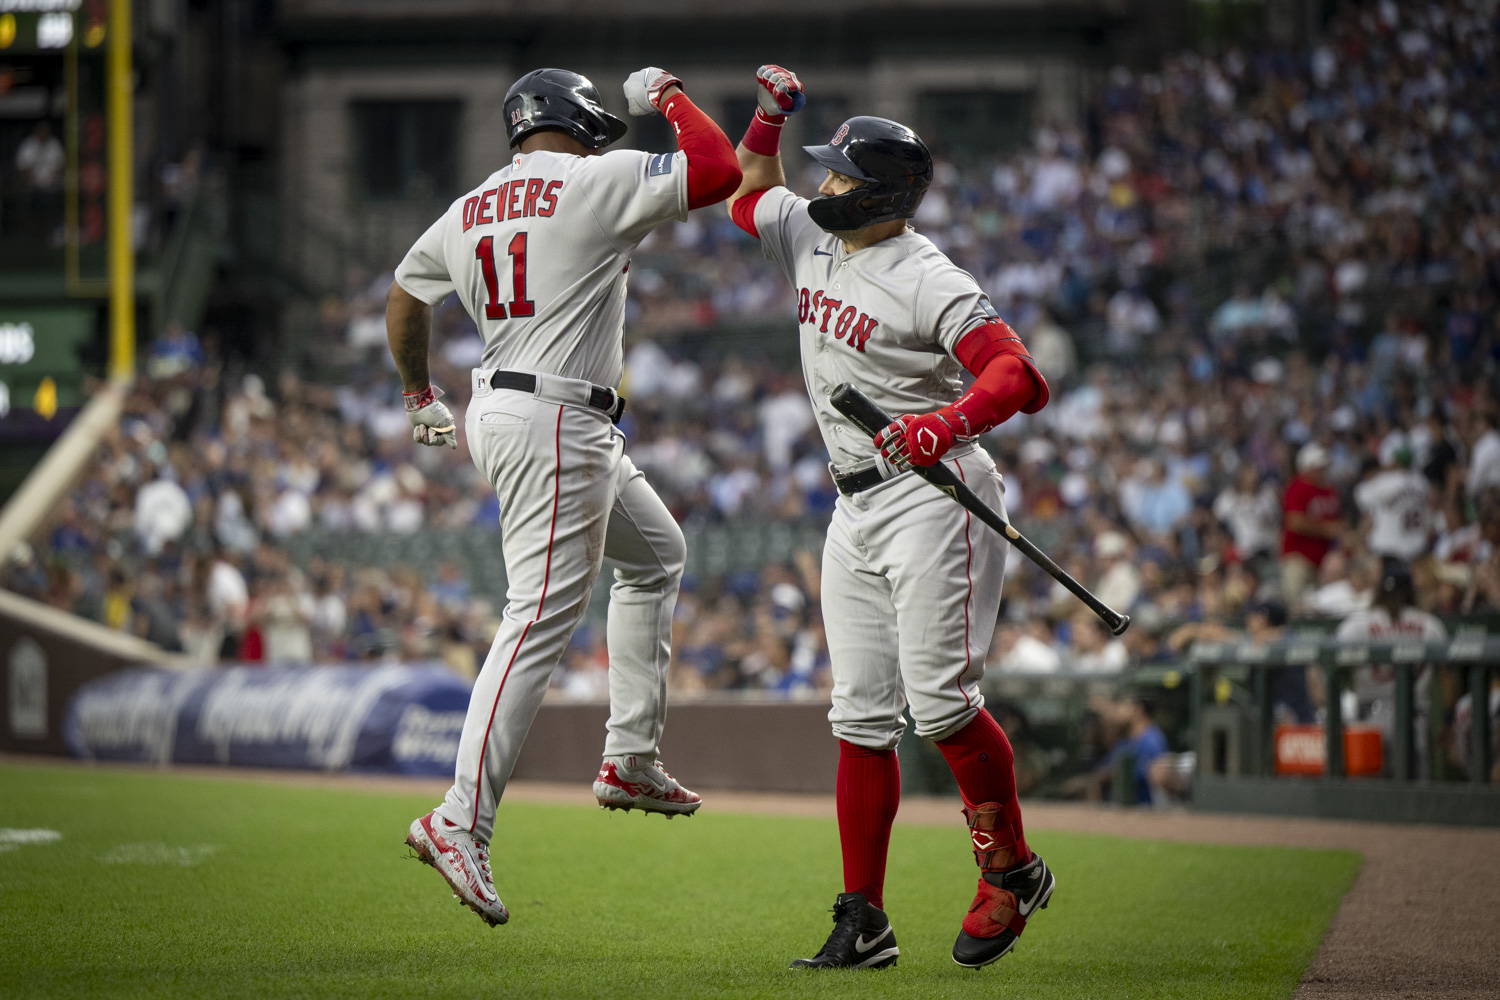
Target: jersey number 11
520, 305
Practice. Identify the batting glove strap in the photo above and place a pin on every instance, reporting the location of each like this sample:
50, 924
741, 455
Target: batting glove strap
780, 91
422, 397
644, 87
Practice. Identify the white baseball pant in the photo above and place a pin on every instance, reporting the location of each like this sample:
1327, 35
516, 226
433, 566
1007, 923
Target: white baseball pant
911, 591
569, 499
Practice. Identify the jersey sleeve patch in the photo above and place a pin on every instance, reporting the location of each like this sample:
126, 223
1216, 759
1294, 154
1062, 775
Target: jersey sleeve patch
660, 164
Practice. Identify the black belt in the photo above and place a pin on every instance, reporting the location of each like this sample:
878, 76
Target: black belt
858, 482
600, 398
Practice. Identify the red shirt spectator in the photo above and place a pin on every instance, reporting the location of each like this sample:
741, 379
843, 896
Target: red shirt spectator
1311, 511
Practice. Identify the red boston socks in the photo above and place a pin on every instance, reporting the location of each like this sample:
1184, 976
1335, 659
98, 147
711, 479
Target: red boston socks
868, 792
981, 759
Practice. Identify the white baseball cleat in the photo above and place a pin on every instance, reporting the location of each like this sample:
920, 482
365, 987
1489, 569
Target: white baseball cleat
462, 861
629, 782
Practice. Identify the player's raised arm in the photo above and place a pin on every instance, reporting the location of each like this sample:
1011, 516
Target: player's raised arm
712, 171
779, 94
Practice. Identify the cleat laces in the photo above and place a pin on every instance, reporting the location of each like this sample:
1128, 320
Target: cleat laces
845, 928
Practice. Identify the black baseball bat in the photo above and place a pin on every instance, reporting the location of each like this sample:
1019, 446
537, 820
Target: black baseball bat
871, 419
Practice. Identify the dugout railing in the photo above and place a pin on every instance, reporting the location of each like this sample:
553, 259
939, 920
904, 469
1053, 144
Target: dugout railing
1236, 718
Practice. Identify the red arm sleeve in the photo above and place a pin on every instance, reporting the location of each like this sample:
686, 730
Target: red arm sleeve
743, 212
713, 171
1006, 382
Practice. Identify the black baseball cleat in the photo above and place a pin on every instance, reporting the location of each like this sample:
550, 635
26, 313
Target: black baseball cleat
862, 938
1003, 904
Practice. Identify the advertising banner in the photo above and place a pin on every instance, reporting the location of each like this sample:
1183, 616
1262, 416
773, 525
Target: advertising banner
393, 718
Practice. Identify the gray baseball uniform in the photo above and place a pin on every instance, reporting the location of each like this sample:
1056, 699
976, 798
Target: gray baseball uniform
538, 254
911, 582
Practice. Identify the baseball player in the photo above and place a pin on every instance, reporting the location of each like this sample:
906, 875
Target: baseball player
538, 254
911, 582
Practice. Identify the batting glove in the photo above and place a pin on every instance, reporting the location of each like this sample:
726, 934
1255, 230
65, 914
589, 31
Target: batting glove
643, 90
780, 91
431, 421
915, 440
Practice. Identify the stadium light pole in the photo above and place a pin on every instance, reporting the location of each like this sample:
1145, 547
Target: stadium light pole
121, 252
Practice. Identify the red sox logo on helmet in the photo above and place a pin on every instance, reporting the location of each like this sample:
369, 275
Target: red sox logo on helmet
838, 136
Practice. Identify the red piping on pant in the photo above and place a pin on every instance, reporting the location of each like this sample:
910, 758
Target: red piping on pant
546, 579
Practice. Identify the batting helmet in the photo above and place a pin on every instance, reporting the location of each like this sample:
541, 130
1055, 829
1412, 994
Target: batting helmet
892, 161
562, 100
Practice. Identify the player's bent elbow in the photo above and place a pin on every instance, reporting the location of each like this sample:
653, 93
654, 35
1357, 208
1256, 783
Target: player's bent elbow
713, 185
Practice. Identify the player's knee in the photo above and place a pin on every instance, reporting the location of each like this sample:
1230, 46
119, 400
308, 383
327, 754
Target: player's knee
941, 724
672, 552
871, 735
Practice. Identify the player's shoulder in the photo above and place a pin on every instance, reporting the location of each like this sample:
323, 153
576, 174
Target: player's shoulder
627, 164
1430, 623
936, 271
1359, 624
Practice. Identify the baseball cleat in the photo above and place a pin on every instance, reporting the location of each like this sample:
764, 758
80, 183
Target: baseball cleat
1003, 904
626, 782
862, 938
462, 861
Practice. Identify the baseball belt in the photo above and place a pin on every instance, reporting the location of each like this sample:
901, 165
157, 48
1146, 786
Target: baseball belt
858, 482
600, 398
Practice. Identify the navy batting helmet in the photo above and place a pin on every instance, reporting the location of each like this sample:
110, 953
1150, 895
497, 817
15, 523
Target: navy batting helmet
892, 161
562, 100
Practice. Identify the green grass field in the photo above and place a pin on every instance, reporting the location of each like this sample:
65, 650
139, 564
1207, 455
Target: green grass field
173, 886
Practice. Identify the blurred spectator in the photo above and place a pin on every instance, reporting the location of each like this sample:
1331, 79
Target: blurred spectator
1141, 742
1093, 649
1392, 616
1120, 583
1028, 649
1312, 520
1252, 512
162, 513
176, 351
1398, 502
40, 162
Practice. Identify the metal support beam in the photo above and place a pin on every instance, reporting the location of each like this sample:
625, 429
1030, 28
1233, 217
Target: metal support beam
1401, 739
1479, 727
1265, 723
1333, 727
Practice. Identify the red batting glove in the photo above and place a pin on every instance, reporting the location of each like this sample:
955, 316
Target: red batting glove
913, 439
780, 91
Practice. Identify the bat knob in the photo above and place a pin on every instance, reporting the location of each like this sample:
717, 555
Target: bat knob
1124, 624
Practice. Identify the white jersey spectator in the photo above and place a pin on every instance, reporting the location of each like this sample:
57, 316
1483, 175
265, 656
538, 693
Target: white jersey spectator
1484, 459
162, 513
1095, 651
1399, 504
1391, 618
1377, 624
1252, 512
1052, 349
40, 159
1342, 590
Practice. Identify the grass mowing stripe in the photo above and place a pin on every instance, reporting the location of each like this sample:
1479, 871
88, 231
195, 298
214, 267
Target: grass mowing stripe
164, 885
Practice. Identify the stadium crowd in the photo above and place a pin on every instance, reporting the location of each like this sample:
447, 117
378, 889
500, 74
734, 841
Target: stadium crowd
1263, 286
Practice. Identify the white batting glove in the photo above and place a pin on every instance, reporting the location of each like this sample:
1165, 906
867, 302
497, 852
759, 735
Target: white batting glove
643, 90
431, 421
780, 92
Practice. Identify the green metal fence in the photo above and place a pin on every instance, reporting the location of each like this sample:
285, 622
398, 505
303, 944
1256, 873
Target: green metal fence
1235, 722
